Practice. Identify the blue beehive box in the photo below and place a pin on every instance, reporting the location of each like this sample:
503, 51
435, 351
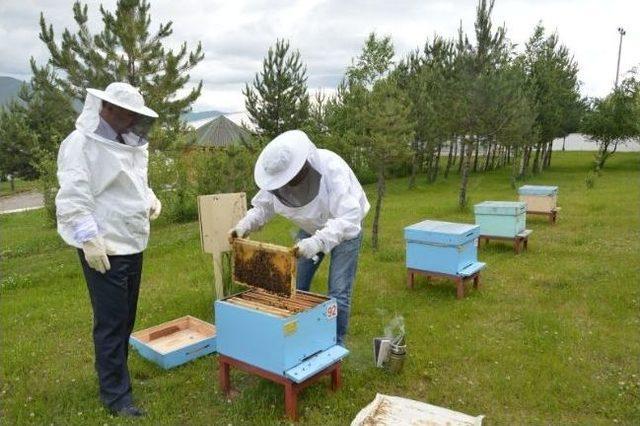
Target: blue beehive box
291, 335
501, 218
175, 342
445, 247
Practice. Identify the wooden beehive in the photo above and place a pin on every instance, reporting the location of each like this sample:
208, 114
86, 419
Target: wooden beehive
271, 325
539, 198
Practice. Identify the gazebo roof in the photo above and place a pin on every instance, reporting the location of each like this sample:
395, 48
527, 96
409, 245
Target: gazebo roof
220, 132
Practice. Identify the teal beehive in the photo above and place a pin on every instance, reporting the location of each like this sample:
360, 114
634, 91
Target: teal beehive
501, 218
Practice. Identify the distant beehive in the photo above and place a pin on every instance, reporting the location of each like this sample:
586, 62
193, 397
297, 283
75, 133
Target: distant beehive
444, 247
539, 198
501, 218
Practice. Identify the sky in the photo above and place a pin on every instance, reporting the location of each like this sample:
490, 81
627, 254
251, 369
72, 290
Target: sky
236, 34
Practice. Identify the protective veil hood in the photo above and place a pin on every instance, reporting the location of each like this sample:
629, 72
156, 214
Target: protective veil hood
125, 96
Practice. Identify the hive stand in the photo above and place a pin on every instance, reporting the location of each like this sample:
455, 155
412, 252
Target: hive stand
520, 241
472, 273
291, 388
552, 215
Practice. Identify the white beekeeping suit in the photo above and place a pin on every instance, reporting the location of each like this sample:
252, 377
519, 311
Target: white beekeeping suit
103, 183
336, 206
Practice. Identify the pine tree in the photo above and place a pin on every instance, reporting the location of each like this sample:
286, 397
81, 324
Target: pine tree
33, 125
388, 131
125, 50
374, 116
375, 62
426, 79
474, 89
277, 100
552, 81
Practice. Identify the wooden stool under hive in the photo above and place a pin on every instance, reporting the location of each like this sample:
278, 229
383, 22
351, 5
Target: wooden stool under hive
272, 330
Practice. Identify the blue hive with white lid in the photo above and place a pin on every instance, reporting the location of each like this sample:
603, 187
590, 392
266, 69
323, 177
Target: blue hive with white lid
443, 247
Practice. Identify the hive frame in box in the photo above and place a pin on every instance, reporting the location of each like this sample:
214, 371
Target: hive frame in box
281, 259
472, 272
520, 241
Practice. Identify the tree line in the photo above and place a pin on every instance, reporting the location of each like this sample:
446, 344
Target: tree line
458, 105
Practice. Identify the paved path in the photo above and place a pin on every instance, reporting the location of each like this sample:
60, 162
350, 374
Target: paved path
21, 202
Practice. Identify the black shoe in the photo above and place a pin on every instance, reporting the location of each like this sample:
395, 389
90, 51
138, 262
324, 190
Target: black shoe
128, 411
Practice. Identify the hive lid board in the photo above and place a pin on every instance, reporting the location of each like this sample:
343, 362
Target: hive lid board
266, 266
537, 190
506, 208
436, 232
175, 335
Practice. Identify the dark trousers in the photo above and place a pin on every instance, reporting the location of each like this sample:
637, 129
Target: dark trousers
114, 299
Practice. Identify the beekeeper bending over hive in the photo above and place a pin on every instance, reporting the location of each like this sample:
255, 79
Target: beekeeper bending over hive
319, 192
103, 208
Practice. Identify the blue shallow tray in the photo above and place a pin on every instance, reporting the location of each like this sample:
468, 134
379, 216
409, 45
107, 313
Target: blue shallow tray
175, 342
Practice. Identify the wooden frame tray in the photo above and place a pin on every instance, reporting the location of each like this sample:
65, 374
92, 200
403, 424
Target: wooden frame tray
175, 342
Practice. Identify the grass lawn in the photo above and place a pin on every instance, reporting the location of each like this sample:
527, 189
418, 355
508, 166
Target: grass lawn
20, 185
553, 337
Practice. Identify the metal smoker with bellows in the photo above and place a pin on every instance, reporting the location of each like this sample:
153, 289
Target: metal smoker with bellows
273, 330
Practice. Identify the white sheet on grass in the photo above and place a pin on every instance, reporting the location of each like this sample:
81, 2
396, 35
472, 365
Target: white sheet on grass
387, 410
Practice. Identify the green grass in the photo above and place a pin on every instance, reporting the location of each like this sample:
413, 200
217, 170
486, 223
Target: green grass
552, 337
20, 186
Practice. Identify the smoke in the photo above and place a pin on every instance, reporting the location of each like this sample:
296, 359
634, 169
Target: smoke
395, 328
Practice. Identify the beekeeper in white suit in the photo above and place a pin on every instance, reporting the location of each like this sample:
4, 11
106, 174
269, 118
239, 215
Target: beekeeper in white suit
103, 209
319, 192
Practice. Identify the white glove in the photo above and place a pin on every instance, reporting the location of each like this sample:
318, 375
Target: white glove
95, 253
238, 231
309, 247
155, 210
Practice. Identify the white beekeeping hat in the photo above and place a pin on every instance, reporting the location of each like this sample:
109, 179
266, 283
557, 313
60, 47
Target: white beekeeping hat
282, 159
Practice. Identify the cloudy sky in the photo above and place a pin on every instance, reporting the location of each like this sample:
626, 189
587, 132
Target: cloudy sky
236, 34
